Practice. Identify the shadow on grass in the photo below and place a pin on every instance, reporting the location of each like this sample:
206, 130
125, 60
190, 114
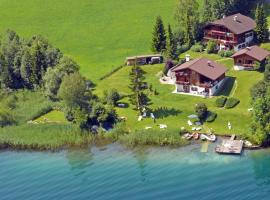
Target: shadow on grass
163, 112
227, 87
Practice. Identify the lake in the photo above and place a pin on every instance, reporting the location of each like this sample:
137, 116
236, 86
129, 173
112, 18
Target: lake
116, 173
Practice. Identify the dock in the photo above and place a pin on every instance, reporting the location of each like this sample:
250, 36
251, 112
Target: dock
230, 146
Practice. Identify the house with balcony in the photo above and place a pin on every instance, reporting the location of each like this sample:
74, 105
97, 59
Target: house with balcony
199, 77
250, 57
234, 32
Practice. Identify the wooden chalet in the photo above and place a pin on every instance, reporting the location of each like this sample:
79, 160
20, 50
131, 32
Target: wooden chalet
231, 33
247, 58
144, 59
201, 76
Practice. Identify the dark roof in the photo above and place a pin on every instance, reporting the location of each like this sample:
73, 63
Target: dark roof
237, 23
255, 52
203, 66
143, 56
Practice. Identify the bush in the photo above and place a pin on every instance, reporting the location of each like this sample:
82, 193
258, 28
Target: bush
221, 53
220, 102
211, 46
111, 97
232, 102
228, 54
6, 118
183, 48
211, 116
197, 48
201, 110
168, 65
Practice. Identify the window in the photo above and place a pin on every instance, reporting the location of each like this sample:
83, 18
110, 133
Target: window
240, 61
194, 89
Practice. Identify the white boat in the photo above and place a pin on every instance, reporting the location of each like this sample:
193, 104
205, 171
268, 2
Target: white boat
211, 138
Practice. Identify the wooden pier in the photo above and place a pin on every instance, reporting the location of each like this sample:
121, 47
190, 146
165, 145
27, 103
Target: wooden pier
230, 146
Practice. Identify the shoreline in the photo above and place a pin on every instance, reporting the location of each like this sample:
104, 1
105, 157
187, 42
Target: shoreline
105, 142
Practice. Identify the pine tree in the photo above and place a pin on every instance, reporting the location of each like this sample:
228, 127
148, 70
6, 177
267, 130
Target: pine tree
26, 69
138, 98
159, 36
207, 11
170, 44
267, 73
218, 9
187, 20
262, 33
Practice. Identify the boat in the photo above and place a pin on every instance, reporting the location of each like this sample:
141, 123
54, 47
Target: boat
211, 138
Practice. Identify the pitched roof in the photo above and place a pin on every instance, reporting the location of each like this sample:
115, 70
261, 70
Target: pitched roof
237, 23
203, 66
255, 52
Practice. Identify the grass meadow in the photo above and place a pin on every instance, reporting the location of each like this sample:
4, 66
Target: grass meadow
98, 34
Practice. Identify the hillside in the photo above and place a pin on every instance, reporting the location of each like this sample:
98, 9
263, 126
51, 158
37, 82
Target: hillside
99, 34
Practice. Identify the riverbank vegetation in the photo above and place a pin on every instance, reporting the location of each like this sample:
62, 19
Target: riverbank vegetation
52, 98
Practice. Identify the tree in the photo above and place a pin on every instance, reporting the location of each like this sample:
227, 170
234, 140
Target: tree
73, 91
206, 11
261, 30
138, 98
159, 36
267, 72
187, 19
201, 110
168, 65
258, 90
219, 9
54, 76
170, 44
261, 119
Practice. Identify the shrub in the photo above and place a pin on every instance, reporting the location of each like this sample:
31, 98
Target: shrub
221, 53
194, 120
168, 65
197, 48
232, 102
6, 118
211, 116
228, 54
201, 110
220, 102
211, 46
183, 48
111, 97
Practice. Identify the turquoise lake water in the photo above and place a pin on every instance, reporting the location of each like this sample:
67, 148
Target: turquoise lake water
116, 173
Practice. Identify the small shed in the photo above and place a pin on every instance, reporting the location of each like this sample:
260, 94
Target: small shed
246, 59
144, 59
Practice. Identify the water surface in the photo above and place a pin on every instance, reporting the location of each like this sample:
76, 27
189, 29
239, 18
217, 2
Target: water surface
116, 173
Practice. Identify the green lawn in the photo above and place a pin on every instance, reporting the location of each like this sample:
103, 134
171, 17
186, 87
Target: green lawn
98, 34
173, 109
54, 116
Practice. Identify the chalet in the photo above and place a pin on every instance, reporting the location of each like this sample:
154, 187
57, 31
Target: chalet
201, 76
144, 59
231, 33
247, 59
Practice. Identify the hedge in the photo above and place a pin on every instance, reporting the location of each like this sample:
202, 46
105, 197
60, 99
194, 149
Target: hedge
232, 102
211, 116
220, 102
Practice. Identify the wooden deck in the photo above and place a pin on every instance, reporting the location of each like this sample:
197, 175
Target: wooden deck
230, 146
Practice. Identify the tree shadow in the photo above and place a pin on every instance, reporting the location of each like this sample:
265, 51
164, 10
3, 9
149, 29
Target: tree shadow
163, 112
227, 87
